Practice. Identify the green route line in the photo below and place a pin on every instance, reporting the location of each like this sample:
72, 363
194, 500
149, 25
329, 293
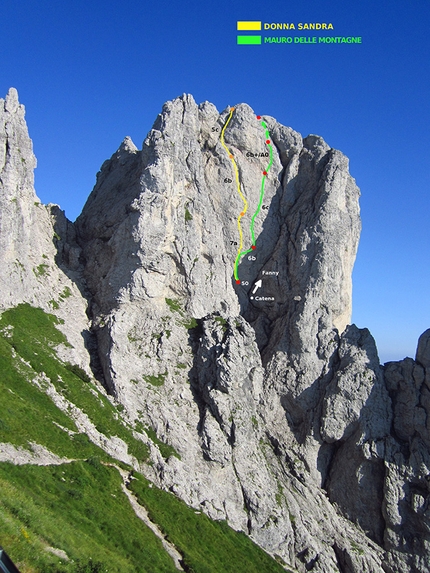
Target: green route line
262, 184
241, 253
260, 202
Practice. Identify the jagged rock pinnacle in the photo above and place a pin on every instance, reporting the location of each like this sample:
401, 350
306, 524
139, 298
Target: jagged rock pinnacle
30, 238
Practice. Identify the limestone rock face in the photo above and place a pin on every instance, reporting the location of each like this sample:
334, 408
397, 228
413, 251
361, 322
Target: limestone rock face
219, 373
407, 462
277, 413
169, 229
30, 242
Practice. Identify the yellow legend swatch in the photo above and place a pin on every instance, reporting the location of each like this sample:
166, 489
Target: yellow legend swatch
249, 26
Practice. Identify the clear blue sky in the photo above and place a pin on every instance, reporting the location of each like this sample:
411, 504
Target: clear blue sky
91, 72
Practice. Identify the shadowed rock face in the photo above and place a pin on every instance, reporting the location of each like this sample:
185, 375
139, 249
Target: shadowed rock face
285, 422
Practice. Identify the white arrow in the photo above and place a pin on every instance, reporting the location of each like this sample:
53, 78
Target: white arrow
257, 286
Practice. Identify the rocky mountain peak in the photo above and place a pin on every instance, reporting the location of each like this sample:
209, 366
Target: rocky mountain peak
215, 266
11, 102
17, 161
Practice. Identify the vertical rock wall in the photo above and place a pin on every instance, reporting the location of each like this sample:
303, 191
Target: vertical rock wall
282, 419
36, 241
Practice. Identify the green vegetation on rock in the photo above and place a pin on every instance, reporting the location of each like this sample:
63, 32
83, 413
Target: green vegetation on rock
222, 321
175, 306
156, 380
190, 323
65, 293
40, 270
165, 450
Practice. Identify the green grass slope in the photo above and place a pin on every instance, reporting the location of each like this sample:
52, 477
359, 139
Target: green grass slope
207, 546
28, 337
79, 507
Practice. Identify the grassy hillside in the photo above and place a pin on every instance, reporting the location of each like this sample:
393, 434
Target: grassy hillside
28, 337
75, 517
207, 546
80, 509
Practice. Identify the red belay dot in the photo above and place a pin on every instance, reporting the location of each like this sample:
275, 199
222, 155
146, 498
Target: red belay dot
264, 172
238, 282
267, 140
258, 116
253, 247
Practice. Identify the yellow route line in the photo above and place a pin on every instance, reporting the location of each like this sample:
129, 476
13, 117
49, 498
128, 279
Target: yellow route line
236, 172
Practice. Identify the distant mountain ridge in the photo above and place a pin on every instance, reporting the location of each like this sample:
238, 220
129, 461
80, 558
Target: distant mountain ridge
258, 402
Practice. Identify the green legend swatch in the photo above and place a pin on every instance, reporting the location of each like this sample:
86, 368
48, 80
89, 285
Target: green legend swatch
249, 39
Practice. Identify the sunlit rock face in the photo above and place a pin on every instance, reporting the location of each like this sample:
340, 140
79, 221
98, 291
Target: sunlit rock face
240, 358
37, 240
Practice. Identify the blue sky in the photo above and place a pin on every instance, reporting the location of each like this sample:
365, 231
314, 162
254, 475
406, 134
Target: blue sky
91, 72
